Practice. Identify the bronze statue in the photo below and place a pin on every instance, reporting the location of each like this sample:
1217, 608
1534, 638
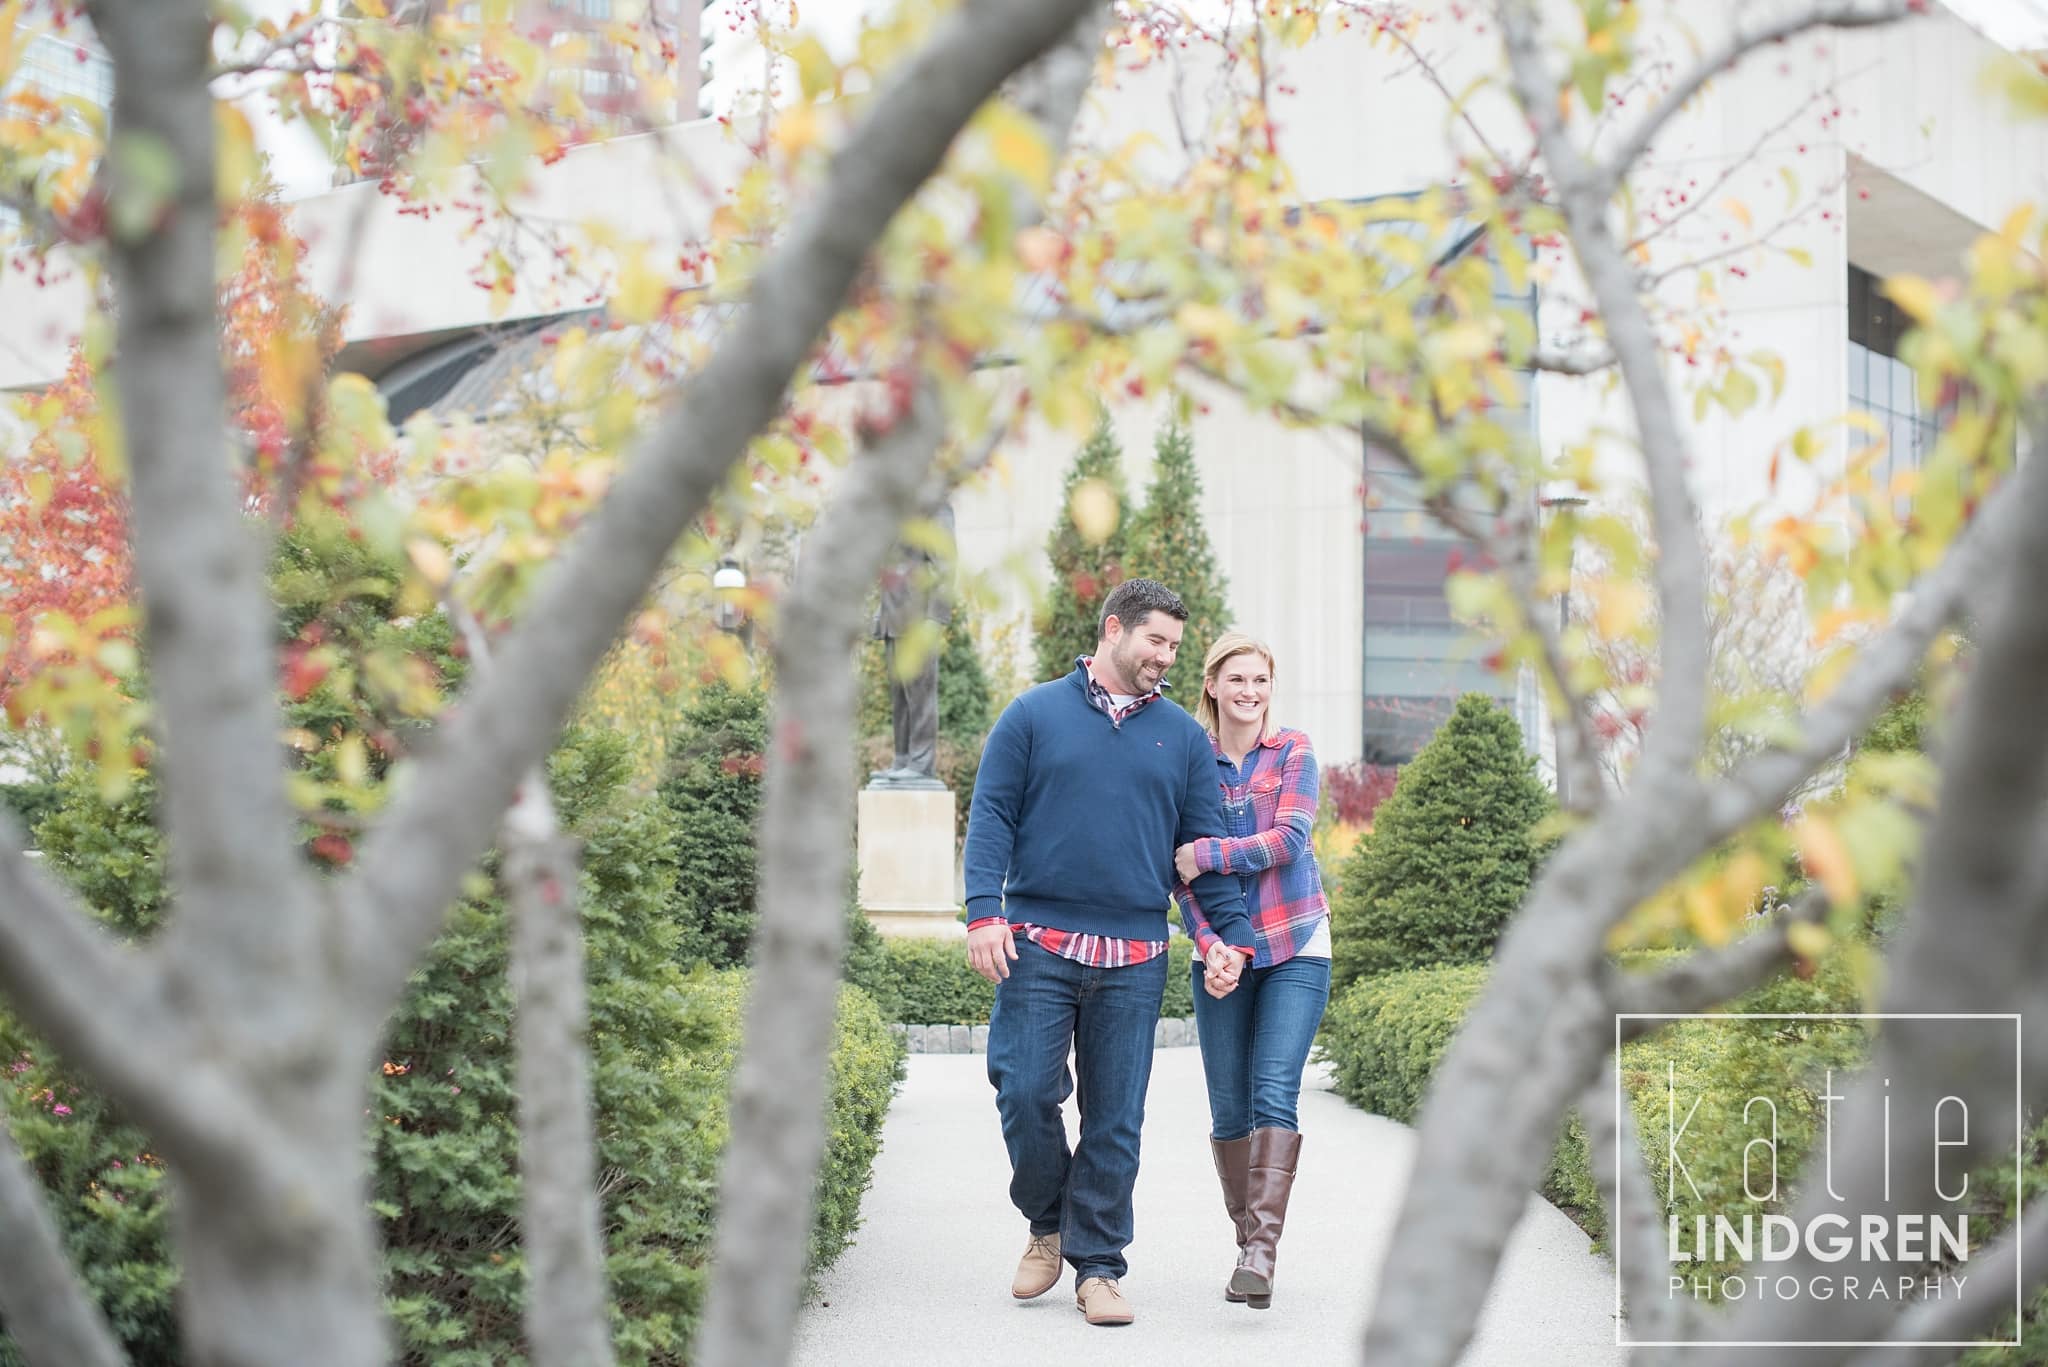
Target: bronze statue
911, 595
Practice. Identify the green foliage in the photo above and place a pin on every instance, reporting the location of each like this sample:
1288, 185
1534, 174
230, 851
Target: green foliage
1083, 572
443, 1137
1383, 1036
445, 1141
966, 709
934, 986
1450, 855
713, 791
31, 801
1901, 726
1169, 543
106, 1188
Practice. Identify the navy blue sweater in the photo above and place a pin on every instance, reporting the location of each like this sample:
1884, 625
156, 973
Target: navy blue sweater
1075, 819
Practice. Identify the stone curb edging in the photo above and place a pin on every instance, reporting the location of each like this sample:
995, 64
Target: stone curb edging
1169, 1033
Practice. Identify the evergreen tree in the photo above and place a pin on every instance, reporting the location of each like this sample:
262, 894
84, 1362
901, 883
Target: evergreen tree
1170, 544
966, 709
1450, 855
1083, 571
713, 790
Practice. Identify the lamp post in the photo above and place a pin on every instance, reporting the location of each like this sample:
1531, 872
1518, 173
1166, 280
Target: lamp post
1554, 503
728, 582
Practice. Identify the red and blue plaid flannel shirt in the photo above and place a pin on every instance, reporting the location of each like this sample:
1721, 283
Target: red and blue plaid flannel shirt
1271, 813
1096, 951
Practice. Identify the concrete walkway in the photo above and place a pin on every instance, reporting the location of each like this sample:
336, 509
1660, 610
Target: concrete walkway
928, 1279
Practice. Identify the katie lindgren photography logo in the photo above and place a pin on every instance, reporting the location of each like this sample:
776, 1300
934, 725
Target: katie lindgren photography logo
1745, 1174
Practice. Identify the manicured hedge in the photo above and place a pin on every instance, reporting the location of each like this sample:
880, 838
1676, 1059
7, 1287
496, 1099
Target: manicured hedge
931, 983
1384, 1037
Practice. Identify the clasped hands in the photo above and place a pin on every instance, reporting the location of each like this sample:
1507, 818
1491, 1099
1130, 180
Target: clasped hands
1222, 966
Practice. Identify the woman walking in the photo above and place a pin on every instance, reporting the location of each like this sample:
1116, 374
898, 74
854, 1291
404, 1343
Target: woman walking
1256, 1026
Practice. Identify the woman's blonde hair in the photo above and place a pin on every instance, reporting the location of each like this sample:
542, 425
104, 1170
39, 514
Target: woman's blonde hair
1228, 645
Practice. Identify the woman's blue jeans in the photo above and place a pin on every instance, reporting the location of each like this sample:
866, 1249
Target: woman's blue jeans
1255, 1043
1106, 1016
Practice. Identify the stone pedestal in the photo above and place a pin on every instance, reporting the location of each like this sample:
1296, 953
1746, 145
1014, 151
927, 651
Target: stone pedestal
905, 848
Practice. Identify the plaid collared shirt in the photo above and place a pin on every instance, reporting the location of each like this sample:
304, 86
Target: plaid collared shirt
1096, 951
1270, 806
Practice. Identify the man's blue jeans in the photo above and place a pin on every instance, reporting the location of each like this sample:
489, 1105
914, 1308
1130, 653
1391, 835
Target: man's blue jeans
1255, 1042
1107, 1015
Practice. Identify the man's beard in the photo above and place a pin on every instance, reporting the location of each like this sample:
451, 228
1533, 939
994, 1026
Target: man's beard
1130, 666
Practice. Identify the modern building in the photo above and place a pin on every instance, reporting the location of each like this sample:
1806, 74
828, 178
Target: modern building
1850, 156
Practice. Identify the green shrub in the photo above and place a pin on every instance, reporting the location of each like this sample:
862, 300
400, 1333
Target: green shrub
713, 790
934, 986
1450, 855
106, 1189
1384, 1035
31, 801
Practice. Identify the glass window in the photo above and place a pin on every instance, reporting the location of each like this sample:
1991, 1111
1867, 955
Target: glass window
1882, 385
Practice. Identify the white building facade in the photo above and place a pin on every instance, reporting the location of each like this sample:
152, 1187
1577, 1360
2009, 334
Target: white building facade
1898, 157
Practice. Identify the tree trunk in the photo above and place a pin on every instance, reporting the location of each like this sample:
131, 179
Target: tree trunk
267, 1280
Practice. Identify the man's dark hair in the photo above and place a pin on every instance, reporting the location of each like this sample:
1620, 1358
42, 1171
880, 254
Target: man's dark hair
1132, 601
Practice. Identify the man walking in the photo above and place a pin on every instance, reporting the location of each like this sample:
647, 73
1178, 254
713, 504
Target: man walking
1086, 788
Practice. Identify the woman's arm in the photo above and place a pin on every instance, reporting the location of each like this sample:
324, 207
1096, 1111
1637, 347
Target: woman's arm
1287, 838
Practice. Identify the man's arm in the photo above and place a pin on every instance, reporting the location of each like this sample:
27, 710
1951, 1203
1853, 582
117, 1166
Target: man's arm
991, 839
1201, 817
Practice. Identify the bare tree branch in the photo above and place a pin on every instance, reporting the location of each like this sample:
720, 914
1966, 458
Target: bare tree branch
104, 1006
566, 1321
1578, 361
1674, 735
1971, 894
1822, 14
246, 920
1956, 1320
1708, 977
48, 1313
561, 1212
1632, 1210
777, 1133
807, 807
441, 821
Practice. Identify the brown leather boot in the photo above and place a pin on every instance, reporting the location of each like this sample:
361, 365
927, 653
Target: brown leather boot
1233, 1162
1269, 1182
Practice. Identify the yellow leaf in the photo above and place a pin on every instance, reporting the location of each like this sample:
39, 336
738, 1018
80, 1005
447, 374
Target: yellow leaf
352, 762
1021, 150
431, 559
374, 8
1808, 940
1706, 917
1094, 510
1618, 607
641, 291
1739, 211
796, 128
1825, 856
1915, 294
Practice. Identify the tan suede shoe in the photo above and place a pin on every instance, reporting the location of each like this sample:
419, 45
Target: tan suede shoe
1038, 1271
1103, 1302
